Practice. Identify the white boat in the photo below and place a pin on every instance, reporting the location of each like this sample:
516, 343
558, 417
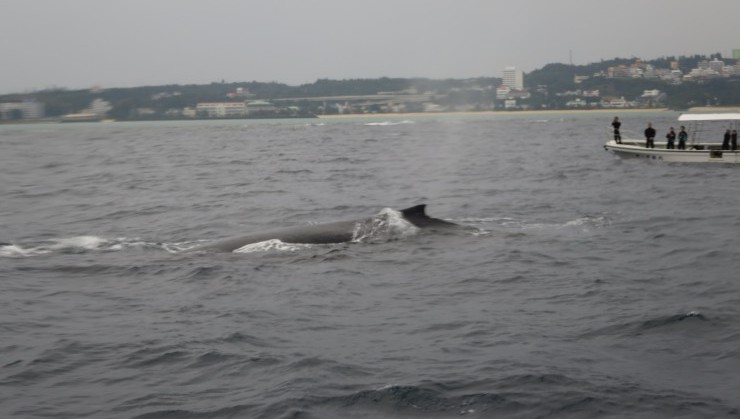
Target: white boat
698, 149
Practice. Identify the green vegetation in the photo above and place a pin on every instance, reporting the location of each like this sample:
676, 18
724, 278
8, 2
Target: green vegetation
551, 87
561, 78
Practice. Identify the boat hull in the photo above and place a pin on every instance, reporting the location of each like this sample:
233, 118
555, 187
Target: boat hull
703, 153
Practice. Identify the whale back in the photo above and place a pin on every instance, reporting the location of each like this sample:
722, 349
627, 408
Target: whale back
337, 232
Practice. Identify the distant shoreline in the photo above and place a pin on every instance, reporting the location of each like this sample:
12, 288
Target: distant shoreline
495, 113
616, 112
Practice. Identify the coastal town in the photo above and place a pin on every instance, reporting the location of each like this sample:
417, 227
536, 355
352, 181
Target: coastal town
673, 82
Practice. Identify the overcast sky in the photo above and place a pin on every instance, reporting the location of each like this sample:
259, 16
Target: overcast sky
115, 43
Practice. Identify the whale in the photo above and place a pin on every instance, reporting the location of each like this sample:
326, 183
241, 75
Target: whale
329, 233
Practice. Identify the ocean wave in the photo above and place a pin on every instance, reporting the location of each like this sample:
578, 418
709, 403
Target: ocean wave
516, 396
236, 411
639, 327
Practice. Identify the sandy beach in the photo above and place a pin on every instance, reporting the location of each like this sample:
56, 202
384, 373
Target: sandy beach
496, 113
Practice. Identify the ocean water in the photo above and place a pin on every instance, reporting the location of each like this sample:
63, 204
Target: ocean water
583, 285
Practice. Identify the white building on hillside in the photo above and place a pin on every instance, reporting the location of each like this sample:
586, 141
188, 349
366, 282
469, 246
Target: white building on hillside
99, 107
260, 106
222, 109
29, 109
513, 78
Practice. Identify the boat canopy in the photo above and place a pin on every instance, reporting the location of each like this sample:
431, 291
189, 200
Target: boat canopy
729, 116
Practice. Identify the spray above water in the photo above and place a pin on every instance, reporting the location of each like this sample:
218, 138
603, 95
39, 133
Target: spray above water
388, 224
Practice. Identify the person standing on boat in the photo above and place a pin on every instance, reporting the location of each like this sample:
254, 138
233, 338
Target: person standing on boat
617, 136
682, 137
671, 137
650, 136
733, 139
726, 140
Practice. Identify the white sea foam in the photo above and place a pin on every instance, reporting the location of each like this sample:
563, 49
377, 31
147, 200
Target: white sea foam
271, 245
582, 223
592, 221
386, 225
180, 246
484, 220
70, 244
81, 244
13, 251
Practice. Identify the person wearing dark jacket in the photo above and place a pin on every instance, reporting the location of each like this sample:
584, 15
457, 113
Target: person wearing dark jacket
726, 140
650, 136
617, 136
733, 139
671, 139
682, 137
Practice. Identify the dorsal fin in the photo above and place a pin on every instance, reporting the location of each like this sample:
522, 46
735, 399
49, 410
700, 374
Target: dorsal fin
415, 211
418, 217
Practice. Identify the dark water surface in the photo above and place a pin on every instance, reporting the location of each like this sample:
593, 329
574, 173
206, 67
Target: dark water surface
588, 287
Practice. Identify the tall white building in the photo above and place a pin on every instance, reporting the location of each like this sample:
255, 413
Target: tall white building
513, 78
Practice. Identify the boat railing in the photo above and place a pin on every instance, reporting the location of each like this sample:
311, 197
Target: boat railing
625, 134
